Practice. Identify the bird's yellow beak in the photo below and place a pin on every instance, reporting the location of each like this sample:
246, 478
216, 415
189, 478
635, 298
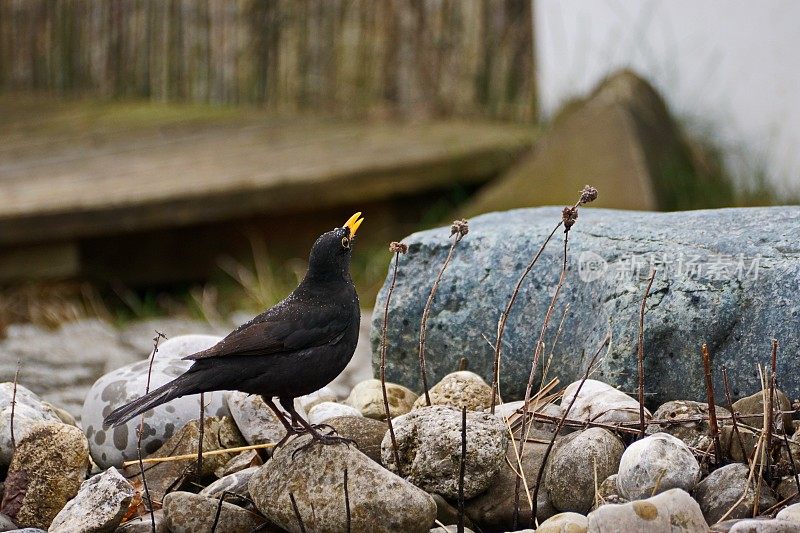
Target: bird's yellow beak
353, 223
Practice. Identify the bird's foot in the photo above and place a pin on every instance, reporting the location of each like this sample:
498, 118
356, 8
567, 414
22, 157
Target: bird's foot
322, 438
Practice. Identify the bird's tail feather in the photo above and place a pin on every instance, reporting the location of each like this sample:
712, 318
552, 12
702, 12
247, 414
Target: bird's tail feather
179, 386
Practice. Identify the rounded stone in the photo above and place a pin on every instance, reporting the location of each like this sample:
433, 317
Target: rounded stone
459, 389
600, 402
723, 490
429, 445
656, 464
564, 523
29, 410
579, 460
100, 504
366, 433
49, 465
672, 510
380, 501
113, 446
367, 397
193, 513
324, 411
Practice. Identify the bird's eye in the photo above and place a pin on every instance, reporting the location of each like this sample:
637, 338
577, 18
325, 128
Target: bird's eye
345, 242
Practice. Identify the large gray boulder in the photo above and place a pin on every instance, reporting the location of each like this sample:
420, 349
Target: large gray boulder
727, 277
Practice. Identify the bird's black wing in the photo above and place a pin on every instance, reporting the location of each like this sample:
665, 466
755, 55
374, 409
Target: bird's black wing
288, 327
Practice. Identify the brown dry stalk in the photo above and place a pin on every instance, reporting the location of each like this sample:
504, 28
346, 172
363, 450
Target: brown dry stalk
297, 513
727, 387
14, 406
588, 194
462, 470
201, 428
640, 353
347, 502
561, 425
770, 421
536, 354
397, 248
501, 324
140, 430
192, 456
712, 411
457, 230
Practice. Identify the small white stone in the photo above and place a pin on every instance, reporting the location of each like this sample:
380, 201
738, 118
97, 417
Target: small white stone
327, 410
101, 503
656, 464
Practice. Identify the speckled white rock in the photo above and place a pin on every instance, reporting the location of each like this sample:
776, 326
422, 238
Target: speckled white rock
101, 503
730, 491
193, 513
235, 483
790, 513
327, 410
257, 423
325, 394
29, 410
111, 447
600, 402
367, 397
657, 463
673, 511
429, 445
459, 389
575, 462
379, 500
564, 523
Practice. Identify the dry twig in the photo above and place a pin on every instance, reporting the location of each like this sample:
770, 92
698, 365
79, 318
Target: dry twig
561, 424
397, 248
462, 469
588, 194
712, 411
640, 354
458, 230
140, 430
14, 406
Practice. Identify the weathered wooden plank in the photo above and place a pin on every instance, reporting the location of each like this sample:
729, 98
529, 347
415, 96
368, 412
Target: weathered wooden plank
121, 172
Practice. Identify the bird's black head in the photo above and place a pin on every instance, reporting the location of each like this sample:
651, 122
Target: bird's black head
330, 255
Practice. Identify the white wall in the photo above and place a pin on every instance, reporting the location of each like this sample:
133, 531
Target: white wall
729, 68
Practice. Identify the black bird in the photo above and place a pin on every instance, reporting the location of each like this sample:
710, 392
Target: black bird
292, 349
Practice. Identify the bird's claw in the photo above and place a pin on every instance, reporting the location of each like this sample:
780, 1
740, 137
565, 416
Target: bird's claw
324, 439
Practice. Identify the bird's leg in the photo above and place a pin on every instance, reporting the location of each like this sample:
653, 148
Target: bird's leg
313, 430
290, 429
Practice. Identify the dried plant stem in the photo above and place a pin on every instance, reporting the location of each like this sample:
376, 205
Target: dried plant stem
423, 326
561, 424
347, 502
501, 324
200, 431
733, 415
14, 407
297, 513
462, 470
193, 456
640, 353
140, 430
536, 355
569, 215
712, 411
384, 346
770, 405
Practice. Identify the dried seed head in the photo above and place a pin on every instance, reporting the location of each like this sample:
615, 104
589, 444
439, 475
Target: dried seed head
460, 228
569, 215
398, 247
588, 194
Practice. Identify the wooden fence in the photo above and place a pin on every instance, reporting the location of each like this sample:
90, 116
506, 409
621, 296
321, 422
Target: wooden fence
347, 57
